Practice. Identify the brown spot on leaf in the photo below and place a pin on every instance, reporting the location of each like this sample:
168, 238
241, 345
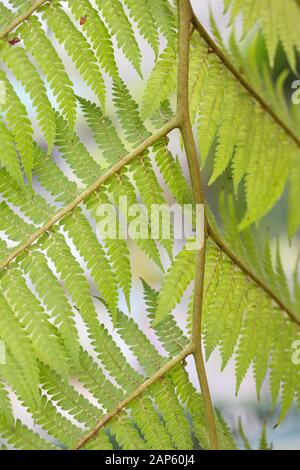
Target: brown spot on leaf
83, 20
14, 41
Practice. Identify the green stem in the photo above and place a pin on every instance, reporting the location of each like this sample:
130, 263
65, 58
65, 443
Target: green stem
23, 17
185, 19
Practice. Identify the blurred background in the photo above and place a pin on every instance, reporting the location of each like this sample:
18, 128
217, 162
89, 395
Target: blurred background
245, 406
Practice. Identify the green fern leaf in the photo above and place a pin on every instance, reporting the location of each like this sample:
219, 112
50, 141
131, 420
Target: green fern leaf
24, 71
178, 277
162, 81
121, 28
37, 43
9, 157
97, 33
14, 336
210, 107
19, 123
86, 242
77, 48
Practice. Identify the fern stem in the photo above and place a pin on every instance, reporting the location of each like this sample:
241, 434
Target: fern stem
185, 18
222, 57
23, 17
238, 262
135, 394
88, 191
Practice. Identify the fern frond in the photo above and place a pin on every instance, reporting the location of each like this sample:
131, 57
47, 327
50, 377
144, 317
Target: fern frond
37, 43
74, 152
97, 33
86, 242
178, 277
24, 439
57, 425
18, 122
277, 24
14, 336
228, 131
143, 174
68, 399
34, 320
216, 311
25, 72
245, 139
128, 113
253, 335
161, 82
167, 330
9, 156
5, 406
117, 249
293, 218
121, 28
13, 375
172, 173
32, 205
165, 18
13, 225
143, 14
105, 134
71, 274
276, 163
164, 396
210, 107
77, 48
53, 296
225, 115
199, 67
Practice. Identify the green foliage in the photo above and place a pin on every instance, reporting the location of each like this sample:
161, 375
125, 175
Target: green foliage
63, 281
239, 133
278, 24
263, 442
161, 82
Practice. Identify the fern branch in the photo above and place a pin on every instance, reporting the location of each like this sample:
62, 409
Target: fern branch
23, 17
185, 18
222, 57
88, 191
135, 394
222, 245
